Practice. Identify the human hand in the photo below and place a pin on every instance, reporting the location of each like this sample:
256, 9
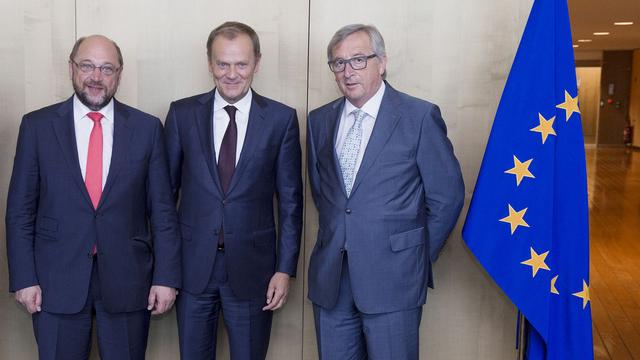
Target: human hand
161, 299
277, 291
31, 298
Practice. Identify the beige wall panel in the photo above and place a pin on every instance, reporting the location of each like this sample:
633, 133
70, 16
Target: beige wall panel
33, 69
165, 59
164, 48
589, 92
456, 54
163, 43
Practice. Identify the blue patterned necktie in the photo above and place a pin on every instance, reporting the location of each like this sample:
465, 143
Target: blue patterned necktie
351, 149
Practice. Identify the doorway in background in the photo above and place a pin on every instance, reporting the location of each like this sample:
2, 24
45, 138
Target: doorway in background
589, 97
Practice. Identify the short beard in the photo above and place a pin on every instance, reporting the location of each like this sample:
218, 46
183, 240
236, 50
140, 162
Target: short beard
91, 105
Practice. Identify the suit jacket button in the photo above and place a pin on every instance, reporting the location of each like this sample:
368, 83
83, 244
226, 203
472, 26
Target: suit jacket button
224, 202
348, 211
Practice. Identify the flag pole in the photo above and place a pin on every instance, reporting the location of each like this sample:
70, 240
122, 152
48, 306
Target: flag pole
521, 340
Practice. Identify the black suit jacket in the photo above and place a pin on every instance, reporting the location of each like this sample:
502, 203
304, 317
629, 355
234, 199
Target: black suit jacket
52, 225
269, 164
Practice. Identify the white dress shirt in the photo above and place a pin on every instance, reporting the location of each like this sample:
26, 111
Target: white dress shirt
221, 121
83, 126
347, 119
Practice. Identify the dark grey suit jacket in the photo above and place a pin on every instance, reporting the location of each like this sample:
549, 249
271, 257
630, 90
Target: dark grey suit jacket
405, 200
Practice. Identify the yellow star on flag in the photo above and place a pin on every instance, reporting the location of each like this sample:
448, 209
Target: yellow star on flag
545, 128
584, 294
515, 219
570, 105
536, 262
520, 170
553, 285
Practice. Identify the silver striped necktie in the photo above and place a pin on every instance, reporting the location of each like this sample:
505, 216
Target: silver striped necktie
351, 149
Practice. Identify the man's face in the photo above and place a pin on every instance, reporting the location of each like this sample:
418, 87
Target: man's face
358, 86
233, 65
95, 89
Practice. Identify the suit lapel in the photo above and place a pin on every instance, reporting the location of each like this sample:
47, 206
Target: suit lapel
204, 123
332, 126
386, 121
122, 133
255, 128
66, 134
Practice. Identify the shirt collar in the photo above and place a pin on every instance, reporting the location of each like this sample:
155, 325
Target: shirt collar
243, 105
372, 106
80, 110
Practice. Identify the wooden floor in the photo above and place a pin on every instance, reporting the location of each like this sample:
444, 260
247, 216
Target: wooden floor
614, 202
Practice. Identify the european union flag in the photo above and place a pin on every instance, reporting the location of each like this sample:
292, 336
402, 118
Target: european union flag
528, 220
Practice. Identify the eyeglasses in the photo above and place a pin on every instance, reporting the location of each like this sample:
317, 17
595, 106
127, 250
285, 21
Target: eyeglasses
356, 62
87, 67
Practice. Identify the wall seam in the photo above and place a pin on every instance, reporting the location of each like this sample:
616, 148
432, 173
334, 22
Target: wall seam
75, 19
306, 181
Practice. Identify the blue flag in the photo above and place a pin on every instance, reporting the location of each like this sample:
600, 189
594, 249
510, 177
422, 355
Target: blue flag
528, 220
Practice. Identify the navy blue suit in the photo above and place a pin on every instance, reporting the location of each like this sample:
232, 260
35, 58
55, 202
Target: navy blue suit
269, 165
405, 200
52, 225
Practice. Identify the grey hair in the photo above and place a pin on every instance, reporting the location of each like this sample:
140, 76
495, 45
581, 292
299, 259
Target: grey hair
377, 42
375, 38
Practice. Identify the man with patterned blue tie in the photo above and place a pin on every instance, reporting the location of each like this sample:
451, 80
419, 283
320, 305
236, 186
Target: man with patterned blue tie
388, 190
91, 226
230, 151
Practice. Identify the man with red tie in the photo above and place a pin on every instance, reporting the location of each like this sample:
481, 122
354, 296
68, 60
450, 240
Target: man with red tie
91, 225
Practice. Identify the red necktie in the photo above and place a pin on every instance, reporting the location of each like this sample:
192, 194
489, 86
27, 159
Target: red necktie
93, 176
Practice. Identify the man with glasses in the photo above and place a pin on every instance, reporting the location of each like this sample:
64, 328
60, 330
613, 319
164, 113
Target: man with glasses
91, 225
231, 151
388, 190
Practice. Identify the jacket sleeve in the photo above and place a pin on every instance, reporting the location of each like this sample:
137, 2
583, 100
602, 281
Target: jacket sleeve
22, 207
289, 193
312, 163
164, 220
442, 179
174, 151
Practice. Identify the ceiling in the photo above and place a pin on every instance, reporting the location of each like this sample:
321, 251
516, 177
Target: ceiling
589, 16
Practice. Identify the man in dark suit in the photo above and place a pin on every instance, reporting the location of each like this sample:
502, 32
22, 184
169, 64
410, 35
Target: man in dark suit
91, 226
230, 151
388, 189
